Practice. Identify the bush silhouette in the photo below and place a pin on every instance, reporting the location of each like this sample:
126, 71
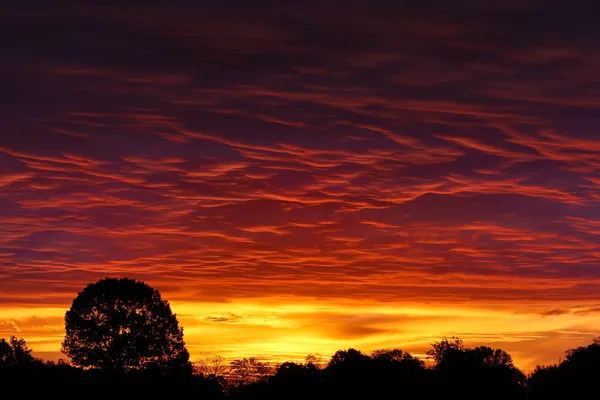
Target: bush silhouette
14, 352
123, 325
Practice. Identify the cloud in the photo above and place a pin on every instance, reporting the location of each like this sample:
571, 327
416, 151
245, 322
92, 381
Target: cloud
228, 318
577, 310
11, 323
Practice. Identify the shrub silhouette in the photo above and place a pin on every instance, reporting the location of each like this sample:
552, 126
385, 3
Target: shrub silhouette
14, 352
123, 325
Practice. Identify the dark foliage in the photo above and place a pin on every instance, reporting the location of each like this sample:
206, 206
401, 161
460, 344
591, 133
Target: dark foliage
123, 325
247, 371
66, 382
14, 352
575, 377
468, 372
545, 383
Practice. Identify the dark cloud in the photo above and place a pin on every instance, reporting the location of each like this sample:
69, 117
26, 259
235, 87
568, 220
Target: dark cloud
230, 318
577, 310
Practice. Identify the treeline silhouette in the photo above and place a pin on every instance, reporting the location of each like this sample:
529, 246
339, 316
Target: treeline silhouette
123, 342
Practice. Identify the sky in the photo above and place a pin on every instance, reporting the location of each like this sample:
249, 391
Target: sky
303, 177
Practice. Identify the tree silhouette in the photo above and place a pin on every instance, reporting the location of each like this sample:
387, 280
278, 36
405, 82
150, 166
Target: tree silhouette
248, 370
396, 358
296, 381
575, 377
445, 348
349, 374
545, 383
14, 352
583, 359
123, 325
395, 364
465, 372
395, 368
211, 365
350, 360
313, 360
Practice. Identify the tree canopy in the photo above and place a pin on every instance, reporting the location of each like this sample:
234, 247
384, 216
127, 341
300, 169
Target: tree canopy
14, 352
465, 372
248, 370
123, 325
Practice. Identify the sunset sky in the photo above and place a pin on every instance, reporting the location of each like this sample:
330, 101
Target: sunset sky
303, 177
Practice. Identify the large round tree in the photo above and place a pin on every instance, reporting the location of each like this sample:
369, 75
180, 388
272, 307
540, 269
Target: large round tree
123, 325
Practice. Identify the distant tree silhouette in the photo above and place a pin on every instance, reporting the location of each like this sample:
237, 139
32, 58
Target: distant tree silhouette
288, 369
465, 372
447, 347
123, 325
294, 381
313, 360
583, 359
350, 360
248, 370
14, 352
575, 376
395, 368
545, 382
396, 364
211, 365
349, 374
396, 357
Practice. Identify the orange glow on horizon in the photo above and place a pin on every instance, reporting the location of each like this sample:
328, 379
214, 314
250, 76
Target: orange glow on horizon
282, 329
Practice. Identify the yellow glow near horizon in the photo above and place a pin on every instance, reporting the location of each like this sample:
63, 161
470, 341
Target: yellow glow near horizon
279, 331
